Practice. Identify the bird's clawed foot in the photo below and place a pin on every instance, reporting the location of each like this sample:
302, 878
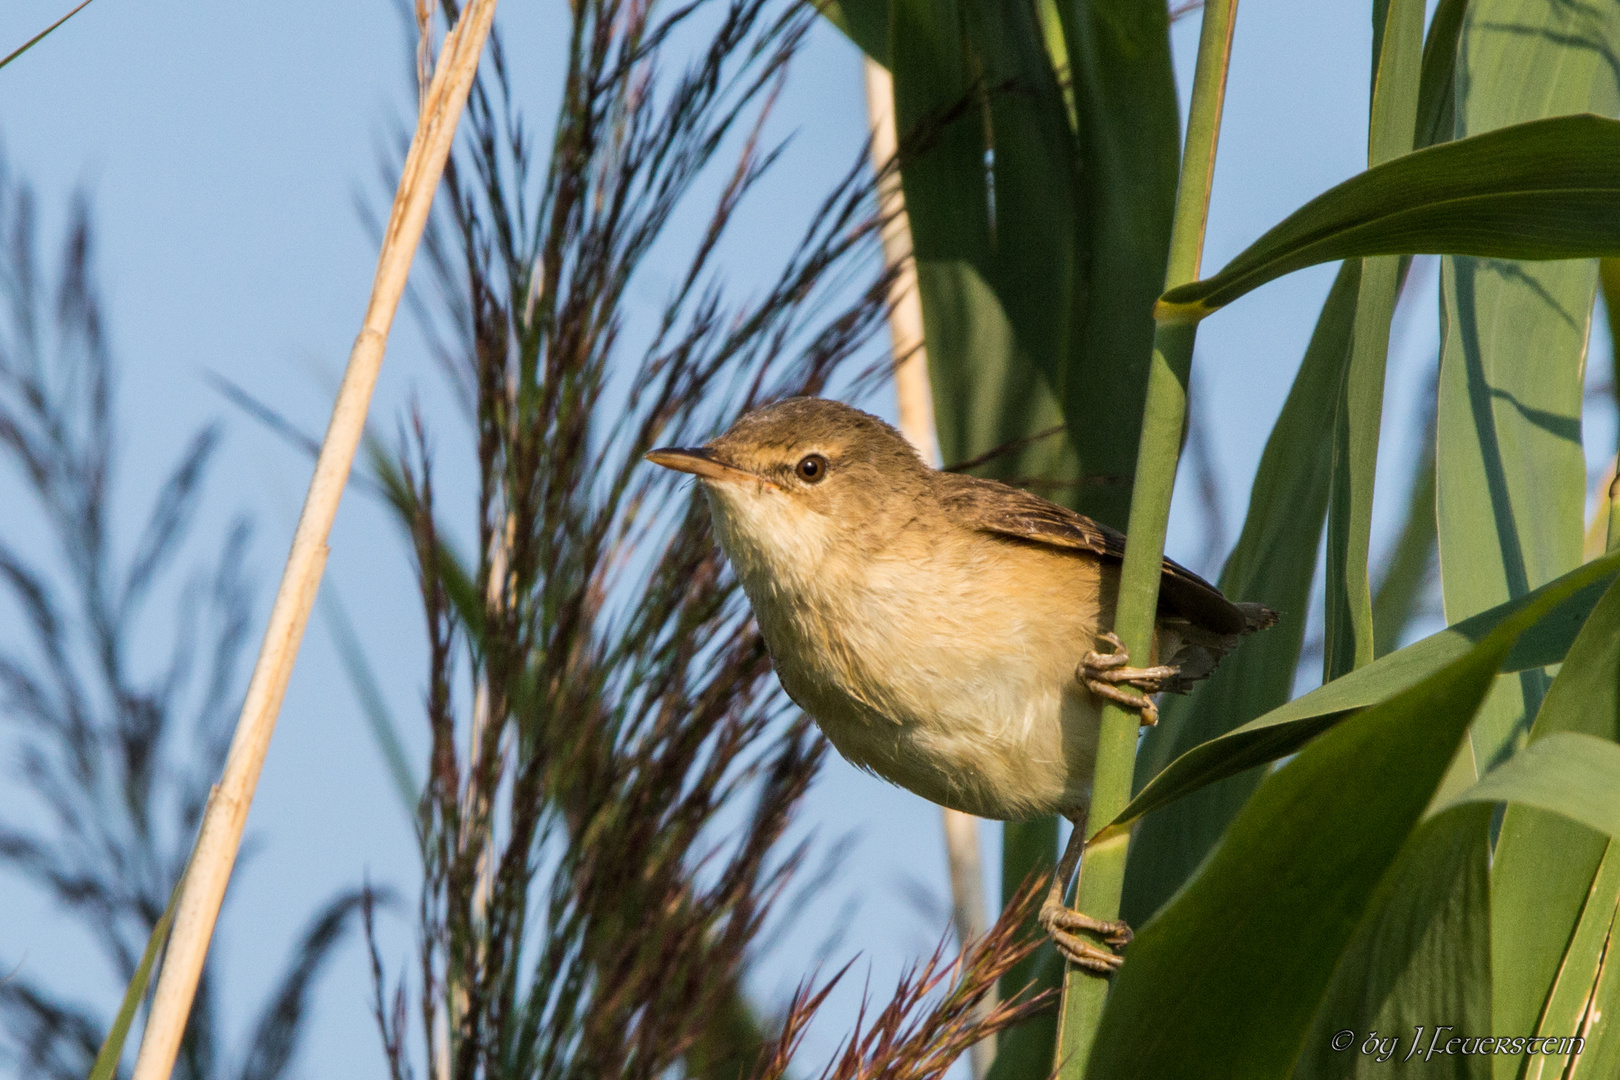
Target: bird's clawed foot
1061, 923
1103, 674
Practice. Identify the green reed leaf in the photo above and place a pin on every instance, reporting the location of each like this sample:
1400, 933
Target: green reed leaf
1545, 189
1232, 972
1285, 730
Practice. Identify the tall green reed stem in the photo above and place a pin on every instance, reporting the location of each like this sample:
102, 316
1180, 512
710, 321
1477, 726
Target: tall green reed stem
1164, 418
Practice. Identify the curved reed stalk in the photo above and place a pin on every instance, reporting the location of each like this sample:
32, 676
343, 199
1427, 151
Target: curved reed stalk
221, 832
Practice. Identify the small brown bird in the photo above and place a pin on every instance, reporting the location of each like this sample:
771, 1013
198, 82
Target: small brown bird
942, 629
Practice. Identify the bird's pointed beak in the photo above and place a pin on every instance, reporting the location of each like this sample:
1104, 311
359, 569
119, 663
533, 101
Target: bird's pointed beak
701, 462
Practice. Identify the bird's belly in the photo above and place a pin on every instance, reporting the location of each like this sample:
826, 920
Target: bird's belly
950, 678
1007, 748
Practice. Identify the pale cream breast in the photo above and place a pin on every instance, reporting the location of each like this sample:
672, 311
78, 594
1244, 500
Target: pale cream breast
932, 665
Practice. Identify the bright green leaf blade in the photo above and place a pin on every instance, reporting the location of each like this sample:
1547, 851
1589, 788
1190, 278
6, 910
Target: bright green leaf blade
37, 38
1581, 969
1397, 70
1284, 730
112, 1048
1420, 958
1272, 563
1348, 618
1566, 773
1546, 189
1537, 900
1231, 972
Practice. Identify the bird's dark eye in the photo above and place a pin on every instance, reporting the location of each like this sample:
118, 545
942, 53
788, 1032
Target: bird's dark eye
811, 468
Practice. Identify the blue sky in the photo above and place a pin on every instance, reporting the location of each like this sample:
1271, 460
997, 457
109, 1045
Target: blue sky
225, 147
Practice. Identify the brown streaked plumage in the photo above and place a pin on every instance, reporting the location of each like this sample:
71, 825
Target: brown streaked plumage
942, 629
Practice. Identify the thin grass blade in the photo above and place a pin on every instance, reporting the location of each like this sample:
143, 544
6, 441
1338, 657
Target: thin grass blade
363, 679
112, 1049
1348, 626
37, 38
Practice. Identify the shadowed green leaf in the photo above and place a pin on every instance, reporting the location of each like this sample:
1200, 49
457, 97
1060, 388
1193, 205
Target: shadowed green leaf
1232, 971
1129, 149
1031, 258
988, 392
1420, 959
1546, 189
1272, 563
1284, 730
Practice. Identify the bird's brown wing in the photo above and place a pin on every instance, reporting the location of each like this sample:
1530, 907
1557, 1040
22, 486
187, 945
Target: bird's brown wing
1009, 512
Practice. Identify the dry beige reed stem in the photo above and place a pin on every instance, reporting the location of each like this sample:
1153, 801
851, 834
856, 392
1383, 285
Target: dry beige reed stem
916, 415
905, 305
226, 813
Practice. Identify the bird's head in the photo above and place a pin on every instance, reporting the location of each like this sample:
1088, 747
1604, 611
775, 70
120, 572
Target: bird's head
797, 482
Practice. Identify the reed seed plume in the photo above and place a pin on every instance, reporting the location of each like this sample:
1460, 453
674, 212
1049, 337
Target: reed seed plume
933, 1017
612, 769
